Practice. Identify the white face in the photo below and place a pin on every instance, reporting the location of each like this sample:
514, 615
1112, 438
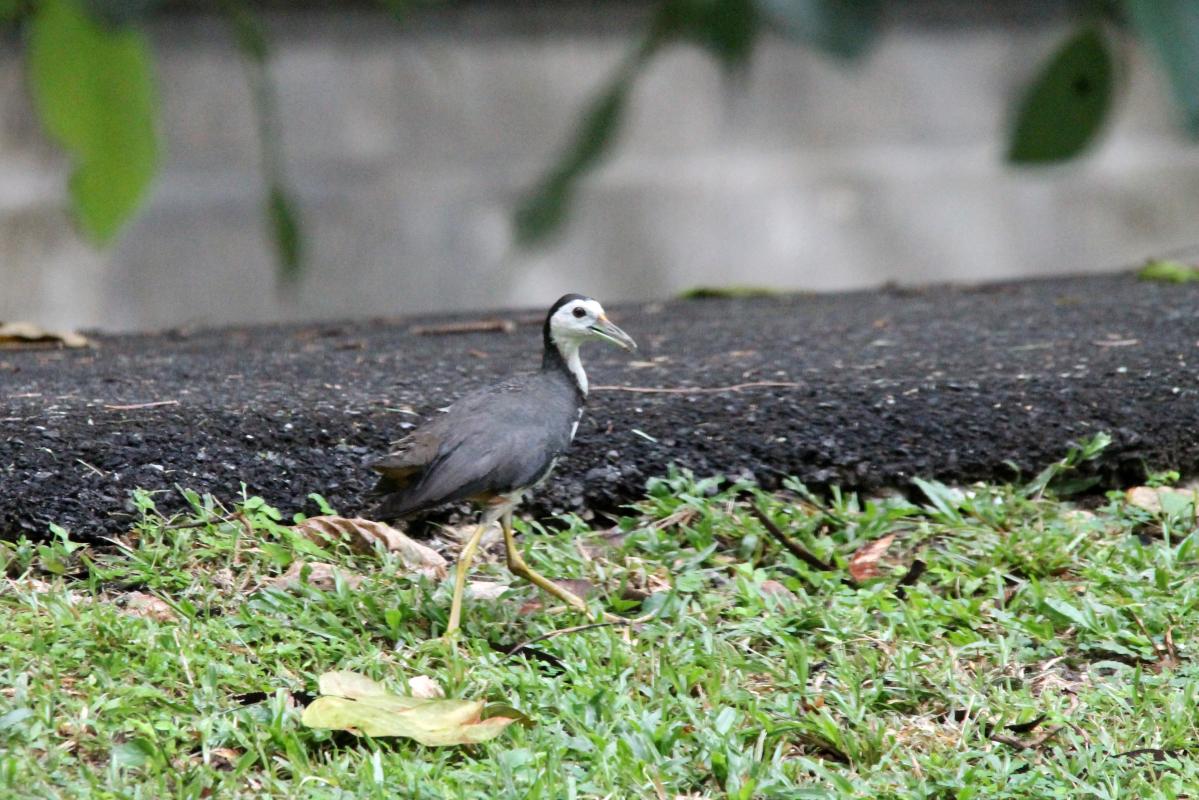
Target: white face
575, 320
582, 319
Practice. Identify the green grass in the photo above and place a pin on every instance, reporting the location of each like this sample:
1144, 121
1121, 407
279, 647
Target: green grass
1030, 611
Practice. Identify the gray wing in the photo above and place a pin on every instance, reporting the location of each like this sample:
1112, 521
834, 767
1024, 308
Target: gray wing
493, 441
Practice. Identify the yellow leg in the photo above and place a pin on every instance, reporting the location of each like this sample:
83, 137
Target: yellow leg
516, 563
464, 558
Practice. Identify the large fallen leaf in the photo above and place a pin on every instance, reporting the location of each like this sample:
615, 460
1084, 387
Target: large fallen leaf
1162, 499
354, 703
864, 563
425, 687
18, 335
363, 534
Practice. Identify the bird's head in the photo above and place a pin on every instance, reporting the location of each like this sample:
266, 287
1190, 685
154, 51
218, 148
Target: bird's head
575, 319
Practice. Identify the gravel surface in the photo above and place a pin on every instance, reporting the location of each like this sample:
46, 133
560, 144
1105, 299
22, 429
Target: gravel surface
864, 390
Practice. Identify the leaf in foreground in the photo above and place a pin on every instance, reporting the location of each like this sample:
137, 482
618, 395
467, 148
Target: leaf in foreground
363, 534
864, 563
1168, 271
18, 335
1162, 499
355, 703
93, 90
1064, 110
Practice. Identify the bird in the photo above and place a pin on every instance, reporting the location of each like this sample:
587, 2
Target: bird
497, 443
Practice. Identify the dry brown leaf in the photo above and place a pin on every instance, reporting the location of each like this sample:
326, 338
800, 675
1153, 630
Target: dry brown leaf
424, 687
601, 542
485, 590
576, 586
1156, 499
863, 565
320, 575
461, 534
146, 606
224, 758
776, 589
363, 534
21, 335
35, 585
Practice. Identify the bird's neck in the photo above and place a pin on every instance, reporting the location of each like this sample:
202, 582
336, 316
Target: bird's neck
564, 356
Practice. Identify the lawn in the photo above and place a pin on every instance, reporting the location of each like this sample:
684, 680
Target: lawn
1044, 651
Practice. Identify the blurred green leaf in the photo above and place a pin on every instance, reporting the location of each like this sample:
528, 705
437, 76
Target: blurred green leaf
10, 10
1066, 106
544, 210
251, 39
285, 228
401, 10
282, 219
1171, 29
843, 28
726, 292
1168, 271
119, 12
725, 28
93, 91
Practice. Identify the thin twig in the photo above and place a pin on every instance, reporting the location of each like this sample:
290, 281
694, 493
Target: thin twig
94, 469
561, 632
473, 326
699, 389
1033, 744
794, 547
134, 406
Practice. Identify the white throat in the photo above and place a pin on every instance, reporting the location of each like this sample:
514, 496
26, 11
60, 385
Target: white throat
568, 348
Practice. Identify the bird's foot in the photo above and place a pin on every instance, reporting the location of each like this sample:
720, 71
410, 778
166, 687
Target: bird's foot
615, 619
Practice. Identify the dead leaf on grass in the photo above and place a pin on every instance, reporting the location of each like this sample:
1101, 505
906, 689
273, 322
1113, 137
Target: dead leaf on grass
146, 606
601, 543
485, 590
576, 586
863, 564
425, 687
35, 585
354, 703
772, 588
224, 758
320, 575
1159, 499
461, 534
26, 335
363, 534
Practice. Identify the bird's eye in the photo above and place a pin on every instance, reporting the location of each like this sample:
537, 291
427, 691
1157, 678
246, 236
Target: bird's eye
580, 312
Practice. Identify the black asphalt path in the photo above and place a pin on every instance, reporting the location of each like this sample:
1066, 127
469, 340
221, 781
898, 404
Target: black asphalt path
864, 390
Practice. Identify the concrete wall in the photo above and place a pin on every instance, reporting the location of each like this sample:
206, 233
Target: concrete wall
409, 148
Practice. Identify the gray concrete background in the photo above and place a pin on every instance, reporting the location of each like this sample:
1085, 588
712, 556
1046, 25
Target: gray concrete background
408, 149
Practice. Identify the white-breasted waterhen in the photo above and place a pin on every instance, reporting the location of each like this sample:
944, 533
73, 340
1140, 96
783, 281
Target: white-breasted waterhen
496, 443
